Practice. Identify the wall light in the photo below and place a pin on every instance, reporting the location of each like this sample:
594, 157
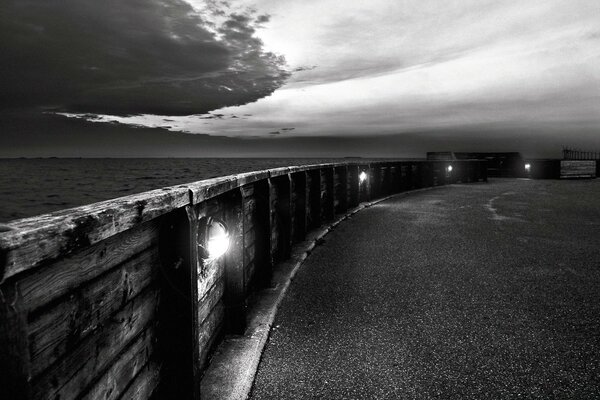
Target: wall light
362, 177
449, 168
527, 167
213, 238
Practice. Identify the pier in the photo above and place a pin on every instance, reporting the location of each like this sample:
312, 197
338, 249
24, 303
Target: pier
419, 274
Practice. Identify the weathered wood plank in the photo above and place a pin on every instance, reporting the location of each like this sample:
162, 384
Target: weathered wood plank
14, 363
38, 240
214, 272
209, 331
144, 383
209, 188
235, 285
208, 302
78, 368
123, 371
46, 284
53, 330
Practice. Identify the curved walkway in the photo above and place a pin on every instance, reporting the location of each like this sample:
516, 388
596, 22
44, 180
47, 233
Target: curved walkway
469, 291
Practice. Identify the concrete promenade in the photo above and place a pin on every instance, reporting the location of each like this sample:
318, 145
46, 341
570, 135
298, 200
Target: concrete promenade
463, 292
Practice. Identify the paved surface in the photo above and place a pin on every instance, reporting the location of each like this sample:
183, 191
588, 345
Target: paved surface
464, 292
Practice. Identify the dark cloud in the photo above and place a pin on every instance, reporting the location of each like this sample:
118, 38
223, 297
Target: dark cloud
275, 133
130, 56
262, 19
305, 68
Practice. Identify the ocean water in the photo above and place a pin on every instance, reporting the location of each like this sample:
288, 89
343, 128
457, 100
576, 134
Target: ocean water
30, 187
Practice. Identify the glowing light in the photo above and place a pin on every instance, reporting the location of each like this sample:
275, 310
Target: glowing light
213, 240
362, 177
449, 168
527, 167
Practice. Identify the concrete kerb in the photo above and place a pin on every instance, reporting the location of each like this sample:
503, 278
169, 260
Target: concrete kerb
234, 364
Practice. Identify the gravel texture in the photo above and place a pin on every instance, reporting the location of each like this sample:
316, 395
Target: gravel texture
465, 292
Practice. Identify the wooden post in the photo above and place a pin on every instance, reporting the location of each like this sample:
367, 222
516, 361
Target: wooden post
235, 296
373, 181
299, 203
384, 181
327, 194
314, 195
396, 169
283, 217
14, 363
262, 228
196, 266
341, 190
353, 186
177, 313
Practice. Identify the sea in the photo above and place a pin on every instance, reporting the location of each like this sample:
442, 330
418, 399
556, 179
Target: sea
34, 186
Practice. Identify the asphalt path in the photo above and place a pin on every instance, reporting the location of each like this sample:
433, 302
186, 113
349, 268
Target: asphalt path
479, 291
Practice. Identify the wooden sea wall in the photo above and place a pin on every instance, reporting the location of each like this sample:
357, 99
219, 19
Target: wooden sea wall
113, 300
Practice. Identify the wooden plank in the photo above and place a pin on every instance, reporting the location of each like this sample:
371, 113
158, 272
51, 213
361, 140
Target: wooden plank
38, 240
214, 272
327, 194
125, 368
33, 241
14, 364
48, 283
144, 384
52, 331
262, 232
299, 205
209, 188
235, 296
79, 368
314, 194
341, 190
209, 331
208, 302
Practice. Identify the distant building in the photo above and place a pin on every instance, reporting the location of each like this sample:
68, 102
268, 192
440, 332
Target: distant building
499, 164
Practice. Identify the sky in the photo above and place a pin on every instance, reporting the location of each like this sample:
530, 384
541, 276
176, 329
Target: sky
298, 78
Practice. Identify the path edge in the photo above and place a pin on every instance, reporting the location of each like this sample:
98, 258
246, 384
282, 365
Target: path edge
234, 364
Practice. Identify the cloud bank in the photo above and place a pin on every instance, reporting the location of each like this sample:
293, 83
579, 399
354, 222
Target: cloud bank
126, 57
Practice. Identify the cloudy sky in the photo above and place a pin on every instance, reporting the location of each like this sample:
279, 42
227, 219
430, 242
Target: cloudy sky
288, 77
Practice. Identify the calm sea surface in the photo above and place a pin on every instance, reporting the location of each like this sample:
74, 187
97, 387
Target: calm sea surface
31, 187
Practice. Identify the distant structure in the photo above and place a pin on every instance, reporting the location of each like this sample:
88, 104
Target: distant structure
575, 164
576, 154
507, 164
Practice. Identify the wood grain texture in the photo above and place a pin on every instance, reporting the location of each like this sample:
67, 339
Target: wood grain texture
39, 240
144, 384
209, 330
72, 373
53, 331
46, 284
210, 301
125, 368
214, 272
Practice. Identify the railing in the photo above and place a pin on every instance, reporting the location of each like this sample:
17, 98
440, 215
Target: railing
117, 300
576, 154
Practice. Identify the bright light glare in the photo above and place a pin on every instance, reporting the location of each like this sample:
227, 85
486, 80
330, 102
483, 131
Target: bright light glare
218, 240
527, 167
362, 177
449, 168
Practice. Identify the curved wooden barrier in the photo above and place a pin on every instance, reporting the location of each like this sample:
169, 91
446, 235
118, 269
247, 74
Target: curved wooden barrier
112, 300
